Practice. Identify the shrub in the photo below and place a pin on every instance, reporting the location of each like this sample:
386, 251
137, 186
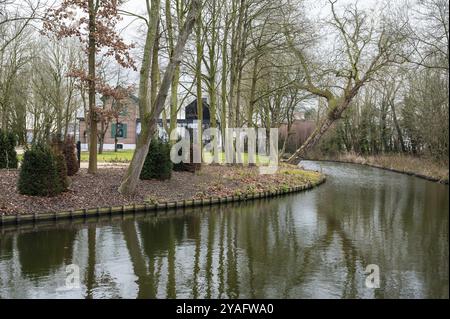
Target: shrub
157, 163
8, 155
39, 174
69, 151
64, 151
11, 151
3, 151
61, 168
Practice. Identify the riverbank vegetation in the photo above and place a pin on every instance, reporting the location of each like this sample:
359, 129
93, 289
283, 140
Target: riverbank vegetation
421, 167
8, 155
400, 120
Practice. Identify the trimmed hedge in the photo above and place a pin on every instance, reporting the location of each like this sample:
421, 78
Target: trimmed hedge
8, 155
61, 168
157, 164
41, 172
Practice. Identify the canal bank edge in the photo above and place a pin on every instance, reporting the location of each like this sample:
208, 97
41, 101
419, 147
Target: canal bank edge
409, 173
148, 207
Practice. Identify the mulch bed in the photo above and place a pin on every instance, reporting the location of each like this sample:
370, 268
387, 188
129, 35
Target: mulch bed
100, 190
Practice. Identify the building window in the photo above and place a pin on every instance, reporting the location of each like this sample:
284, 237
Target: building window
121, 130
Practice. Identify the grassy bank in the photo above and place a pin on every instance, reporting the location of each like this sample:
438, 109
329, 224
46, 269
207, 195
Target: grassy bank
87, 191
125, 156
122, 156
421, 167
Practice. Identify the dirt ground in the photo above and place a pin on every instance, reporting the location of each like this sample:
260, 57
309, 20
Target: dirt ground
88, 191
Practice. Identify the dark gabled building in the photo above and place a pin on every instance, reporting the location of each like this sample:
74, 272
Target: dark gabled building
191, 111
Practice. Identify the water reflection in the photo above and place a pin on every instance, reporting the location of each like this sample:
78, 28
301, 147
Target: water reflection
314, 244
42, 253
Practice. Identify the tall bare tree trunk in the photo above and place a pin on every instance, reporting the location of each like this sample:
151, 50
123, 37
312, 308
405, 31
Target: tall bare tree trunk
154, 84
251, 106
397, 127
176, 77
212, 74
198, 77
335, 108
223, 124
149, 119
92, 169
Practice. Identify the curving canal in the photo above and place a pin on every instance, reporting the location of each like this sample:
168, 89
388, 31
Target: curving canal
315, 244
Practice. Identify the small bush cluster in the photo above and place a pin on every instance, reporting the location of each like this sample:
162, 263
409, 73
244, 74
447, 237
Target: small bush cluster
45, 168
61, 169
157, 164
8, 155
42, 172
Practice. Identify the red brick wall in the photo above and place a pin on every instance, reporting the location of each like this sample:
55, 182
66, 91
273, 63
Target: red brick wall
129, 120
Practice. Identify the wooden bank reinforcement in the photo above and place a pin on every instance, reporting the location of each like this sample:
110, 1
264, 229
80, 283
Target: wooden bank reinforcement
149, 207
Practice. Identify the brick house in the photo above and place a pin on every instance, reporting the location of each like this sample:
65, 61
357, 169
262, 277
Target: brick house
129, 125
126, 127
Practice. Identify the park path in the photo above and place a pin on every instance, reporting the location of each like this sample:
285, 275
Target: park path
105, 165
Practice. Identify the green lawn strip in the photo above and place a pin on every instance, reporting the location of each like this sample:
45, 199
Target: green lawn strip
125, 156
110, 156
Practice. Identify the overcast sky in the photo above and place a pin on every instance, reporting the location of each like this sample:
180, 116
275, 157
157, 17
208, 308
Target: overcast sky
316, 9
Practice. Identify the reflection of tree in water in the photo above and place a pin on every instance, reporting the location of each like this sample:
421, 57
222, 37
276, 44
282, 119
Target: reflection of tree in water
432, 225
43, 252
245, 251
209, 256
6, 246
157, 241
388, 224
145, 277
339, 207
316, 243
257, 250
221, 268
95, 276
279, 262
90, 271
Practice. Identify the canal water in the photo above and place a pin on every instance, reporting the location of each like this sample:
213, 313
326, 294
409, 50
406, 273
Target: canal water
315, 244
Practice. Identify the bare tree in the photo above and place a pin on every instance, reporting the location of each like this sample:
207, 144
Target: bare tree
367, 47
99, 18
150, 116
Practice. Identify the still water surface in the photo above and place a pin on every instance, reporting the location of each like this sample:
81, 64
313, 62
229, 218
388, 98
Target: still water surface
315, 244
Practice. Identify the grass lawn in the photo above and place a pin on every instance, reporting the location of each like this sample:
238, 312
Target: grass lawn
106, 157
126, 155
260, 159
110, 156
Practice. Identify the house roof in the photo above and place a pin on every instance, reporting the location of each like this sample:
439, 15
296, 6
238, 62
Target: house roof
191, 110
